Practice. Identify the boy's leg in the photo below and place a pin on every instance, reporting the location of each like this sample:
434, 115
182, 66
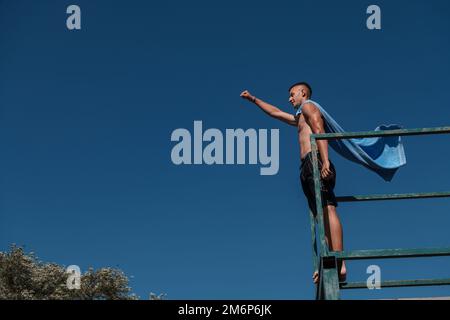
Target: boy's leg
333, 230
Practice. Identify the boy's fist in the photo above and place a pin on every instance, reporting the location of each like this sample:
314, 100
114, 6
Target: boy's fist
246, 95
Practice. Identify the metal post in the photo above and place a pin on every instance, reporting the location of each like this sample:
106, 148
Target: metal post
318, 194
314, 242
330, 278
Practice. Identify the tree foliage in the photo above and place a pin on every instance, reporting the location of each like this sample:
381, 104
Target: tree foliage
24, 277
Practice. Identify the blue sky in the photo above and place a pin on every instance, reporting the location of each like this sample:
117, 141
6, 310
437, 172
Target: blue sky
86, 119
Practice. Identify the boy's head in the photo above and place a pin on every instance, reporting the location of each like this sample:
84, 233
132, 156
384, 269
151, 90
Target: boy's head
299, 93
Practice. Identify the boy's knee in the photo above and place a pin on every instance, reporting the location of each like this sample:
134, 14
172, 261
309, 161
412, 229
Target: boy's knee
329, 208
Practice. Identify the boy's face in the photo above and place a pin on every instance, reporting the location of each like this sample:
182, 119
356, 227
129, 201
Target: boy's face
295, 96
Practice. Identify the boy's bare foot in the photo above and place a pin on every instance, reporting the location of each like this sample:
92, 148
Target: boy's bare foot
316, 277
342, 272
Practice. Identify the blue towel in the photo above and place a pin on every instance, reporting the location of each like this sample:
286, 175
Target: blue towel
383, 155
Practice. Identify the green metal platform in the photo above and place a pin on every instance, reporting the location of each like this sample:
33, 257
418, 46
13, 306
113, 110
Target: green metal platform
326, 262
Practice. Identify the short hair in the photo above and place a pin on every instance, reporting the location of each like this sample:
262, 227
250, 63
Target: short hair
308, 88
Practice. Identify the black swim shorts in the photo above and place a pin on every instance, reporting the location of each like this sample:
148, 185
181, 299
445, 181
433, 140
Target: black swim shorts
307, 180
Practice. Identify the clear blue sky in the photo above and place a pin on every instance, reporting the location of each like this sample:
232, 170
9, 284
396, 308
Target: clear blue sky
86, 119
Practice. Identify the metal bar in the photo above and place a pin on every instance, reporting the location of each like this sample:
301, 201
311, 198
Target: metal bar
391, 253
319, 285
318, 195
397, 196
314, 242
330, 278
381, 133
399, 283
331, 284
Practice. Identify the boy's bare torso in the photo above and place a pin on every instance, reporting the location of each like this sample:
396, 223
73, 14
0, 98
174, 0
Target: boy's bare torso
304, 133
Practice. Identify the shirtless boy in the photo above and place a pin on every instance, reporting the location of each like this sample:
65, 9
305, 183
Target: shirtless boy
309, 121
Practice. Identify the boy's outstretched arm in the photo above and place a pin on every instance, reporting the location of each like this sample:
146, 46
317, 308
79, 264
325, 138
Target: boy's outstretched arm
270, 109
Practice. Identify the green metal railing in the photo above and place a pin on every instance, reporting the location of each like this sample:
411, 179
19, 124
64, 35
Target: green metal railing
326, 261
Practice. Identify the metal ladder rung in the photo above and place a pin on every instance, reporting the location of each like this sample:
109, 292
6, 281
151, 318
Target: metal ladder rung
398, 283
391, 253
